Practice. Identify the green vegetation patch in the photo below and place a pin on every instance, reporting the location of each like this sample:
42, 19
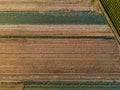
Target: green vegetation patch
112, 9
52, 17
72, 86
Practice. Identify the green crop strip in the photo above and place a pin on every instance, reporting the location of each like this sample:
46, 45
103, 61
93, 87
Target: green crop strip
72, 86
52, 17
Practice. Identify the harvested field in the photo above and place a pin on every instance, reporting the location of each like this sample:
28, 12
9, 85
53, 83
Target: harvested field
55, 30
45, 5
59, 59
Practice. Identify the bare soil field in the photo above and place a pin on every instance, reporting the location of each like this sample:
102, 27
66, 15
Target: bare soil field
87, 59
55, 30
46, 5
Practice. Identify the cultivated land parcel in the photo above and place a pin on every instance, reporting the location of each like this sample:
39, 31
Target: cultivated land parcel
44, 5
56, 41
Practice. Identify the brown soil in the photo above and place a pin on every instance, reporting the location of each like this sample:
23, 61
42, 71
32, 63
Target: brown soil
45, 5
55, 30
59, 59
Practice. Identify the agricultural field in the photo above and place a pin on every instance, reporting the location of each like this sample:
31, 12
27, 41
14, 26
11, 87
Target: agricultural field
55, 30
46, 5
65, 42
52, 17
59, 59
111, 12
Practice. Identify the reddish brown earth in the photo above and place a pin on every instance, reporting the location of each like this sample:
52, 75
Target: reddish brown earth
59, 59
94, 57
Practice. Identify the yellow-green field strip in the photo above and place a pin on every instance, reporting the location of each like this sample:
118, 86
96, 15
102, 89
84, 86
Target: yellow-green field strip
110, 9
